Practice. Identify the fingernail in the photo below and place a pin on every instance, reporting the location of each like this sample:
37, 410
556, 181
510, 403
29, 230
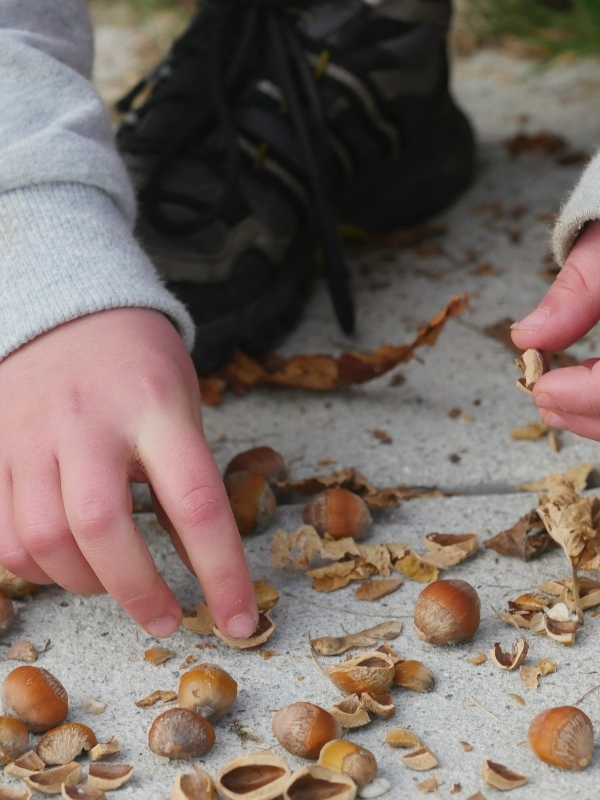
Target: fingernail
545, 401
536, 319
163, 627
241, 627
553, 420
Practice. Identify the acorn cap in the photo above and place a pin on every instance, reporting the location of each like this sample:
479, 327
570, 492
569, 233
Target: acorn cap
257, 776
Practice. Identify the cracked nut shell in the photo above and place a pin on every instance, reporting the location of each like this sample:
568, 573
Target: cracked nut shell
447, 612
36, 697
303, 728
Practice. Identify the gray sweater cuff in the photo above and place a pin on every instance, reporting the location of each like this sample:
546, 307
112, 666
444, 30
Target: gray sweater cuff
67, 251
582, 207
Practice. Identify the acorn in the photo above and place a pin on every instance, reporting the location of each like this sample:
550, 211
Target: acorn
14, 739
562, 736
447, 612
303, 728
349, 759
257, 776
208, 690
35, 696
339, 513
252, 501
263, 460
371, 672
63, 744
414, 676
314, 782
180, 733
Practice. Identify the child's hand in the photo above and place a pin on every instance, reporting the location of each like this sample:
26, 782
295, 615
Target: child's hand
84, 409
569, 397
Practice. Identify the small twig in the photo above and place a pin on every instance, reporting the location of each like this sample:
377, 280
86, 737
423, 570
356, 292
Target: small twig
593, 689
481, 708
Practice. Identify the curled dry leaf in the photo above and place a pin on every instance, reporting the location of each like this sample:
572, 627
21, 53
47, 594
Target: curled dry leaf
51, 780
567, 517
104, 749
527, 539
165, 696
480, 658
334, 645
22, 651
421, 759
109, 776
266, 596
375, 590
416, 569
350, 712
501, 777
158, 655
322, 372
448, 549
530, 432
402, 737
533, 365
430, 785
577, 475
529, 675
509, 660
264, 630
93, 706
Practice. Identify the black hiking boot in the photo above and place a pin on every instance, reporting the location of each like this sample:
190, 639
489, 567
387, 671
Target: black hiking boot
266, 128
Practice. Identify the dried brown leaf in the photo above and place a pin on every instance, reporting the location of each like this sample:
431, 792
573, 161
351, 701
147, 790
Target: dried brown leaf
526, 539
375, 590
430, 785
158, 655
305, 540
530, 675
416, 569
334, 645
567, 517
577, 475
448, 549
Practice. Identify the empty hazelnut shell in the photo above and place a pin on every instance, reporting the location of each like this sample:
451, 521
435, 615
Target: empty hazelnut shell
252, 501
208, 690
314, 782
303, 729
533, 365
338, 512
35, 696
193, 786
562, 736
350, 712
51, 780
81, 792
349, 759
264, 460
180, 733
447, 612
14, 739
371, 672
63, 744
259, 776
109, 776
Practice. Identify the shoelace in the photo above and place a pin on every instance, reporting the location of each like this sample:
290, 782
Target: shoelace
295, 80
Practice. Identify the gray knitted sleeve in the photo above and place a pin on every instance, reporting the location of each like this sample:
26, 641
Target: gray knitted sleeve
66, 204
582, 206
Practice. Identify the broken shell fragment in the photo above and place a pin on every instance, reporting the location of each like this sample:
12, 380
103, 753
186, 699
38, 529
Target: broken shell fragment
414, 675
63, 744
51, 780
500, 777
402, 737
339, 513
303, 728
315, 783
350, 759
533, 365
530, 602
350, 712
35, 696
252, 501
180, 733
420, 759
447, 612
109, 776
263, 460
560, 625
266, 596
264, 630
81, 792
371, 672
193, 786
381, 705
93, 706
208, 690
104, 749
14, 739
509, 660
11, 793
14, 586
158, 655
260, 776
26, 765
563, 737
376, 788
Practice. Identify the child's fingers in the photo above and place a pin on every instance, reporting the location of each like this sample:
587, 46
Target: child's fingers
574, 390
42, 527
189, 487
97, 503
588, 427
571, 306
170, 529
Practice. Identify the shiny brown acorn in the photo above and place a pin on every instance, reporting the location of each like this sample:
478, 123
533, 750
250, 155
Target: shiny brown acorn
303, 728
208, 690
14, 739
252, 501
180, 733
263, 460
414, 675
562, 736
447, 612
36, 697
339, 513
